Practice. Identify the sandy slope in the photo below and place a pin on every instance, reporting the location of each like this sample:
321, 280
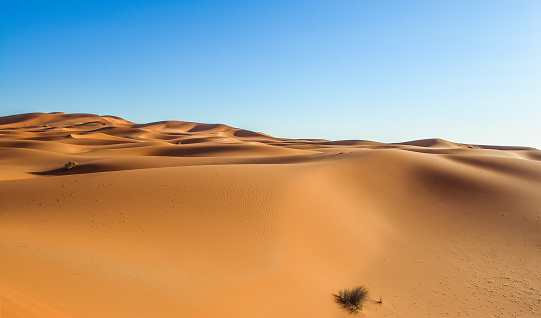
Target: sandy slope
178, 219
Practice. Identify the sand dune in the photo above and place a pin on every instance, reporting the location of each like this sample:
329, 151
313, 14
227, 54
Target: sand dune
180, 219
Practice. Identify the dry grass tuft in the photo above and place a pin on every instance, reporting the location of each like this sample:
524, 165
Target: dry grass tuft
353, 299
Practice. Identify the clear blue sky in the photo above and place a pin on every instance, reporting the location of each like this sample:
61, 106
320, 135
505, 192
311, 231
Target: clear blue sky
382, 70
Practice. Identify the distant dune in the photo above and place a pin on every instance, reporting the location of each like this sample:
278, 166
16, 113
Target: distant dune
182, 219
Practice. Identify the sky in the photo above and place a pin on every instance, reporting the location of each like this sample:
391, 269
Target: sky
388, 71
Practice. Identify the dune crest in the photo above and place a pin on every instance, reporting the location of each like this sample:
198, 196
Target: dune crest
182, 219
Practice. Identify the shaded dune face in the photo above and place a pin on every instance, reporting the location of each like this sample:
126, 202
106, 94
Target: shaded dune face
181, 219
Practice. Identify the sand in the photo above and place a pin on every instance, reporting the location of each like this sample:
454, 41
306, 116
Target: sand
180, 219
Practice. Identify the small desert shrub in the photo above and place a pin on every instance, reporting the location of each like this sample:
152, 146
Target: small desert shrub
70, 165
352, 299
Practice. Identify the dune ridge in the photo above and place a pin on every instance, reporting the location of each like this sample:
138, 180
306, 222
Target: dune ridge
182, 219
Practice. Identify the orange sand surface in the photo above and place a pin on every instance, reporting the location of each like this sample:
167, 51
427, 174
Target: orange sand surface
180, 219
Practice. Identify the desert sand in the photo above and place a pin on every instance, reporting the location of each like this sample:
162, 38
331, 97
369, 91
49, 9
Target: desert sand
181, 219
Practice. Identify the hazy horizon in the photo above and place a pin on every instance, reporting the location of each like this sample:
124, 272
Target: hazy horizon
388, 72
